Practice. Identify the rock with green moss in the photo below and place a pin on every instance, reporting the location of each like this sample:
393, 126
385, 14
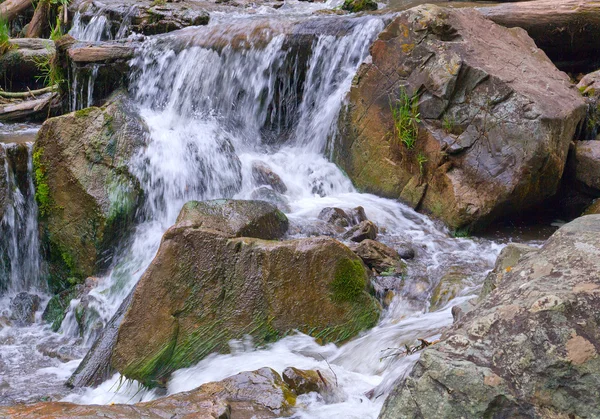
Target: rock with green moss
206, 287
356, 6
4, 192
438, 119
86, 195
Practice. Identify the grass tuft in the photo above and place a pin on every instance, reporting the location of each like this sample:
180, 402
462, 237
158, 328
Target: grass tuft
405, 112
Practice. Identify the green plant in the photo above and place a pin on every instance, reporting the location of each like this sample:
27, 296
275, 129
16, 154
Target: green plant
421, 159
448, 124
158, 3
4, 36
405, 112
50, 75
461, 233
56, 31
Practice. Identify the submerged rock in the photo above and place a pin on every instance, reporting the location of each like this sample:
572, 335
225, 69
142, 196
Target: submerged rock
335, 216
267, 194
264, 175
455, 145
257, 394
529, 349
86, 195
206, 287
23, 307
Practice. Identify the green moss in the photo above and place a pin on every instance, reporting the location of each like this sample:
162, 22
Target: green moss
85, 112
42, 190
356, 6
349, 282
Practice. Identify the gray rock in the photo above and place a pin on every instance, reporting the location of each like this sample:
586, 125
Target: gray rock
267, 194
379, 257
529, 349
23, 307
335, 216
586, 161
264, 175
363, 231
236, 218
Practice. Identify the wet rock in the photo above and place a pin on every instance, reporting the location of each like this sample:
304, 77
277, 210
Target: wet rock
4, 192
336, 216
406, 251
59, 304
458, 165
308, 381
259, 394
264, 175
586, 161
235, 218
357, 215
356, 6
206, 287
379, 257
64, 353
449, 287
529, 349
86, 195
593, 208
363, 231
267, 194
23, 307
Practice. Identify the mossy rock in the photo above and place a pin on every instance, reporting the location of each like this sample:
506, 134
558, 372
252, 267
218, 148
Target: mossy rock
86, 195
205, 288
356, 6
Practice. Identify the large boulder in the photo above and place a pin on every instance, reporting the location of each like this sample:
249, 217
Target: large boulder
529, 349
206, 287
235, 218
257, 394
459, 117
86, 195
23, 307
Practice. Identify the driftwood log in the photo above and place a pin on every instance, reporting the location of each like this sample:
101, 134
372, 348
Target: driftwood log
39, 21
82, 53
27, 109
567, 30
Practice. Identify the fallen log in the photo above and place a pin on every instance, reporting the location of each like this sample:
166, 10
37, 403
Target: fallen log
10, 9
101, 53
28, 108
567, 30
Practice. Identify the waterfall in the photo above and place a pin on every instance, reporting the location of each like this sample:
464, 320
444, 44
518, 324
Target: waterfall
20, 260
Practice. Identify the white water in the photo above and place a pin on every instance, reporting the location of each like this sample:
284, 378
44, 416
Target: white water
211, 113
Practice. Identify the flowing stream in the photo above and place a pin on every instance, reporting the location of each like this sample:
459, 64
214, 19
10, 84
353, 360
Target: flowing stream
216, 100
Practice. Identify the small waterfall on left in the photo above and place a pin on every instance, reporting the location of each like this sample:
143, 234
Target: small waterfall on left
20, 260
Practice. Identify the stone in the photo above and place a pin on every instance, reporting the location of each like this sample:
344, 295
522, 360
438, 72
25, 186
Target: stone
264, 175
355, 6
465, 162
235, 218
335, 216
308, 381
586, 161
528, 349
259, 394
267, 194
507, 259
363, 231
206, 287
593, 208
448, 288
86, 195
23, 307
379, 257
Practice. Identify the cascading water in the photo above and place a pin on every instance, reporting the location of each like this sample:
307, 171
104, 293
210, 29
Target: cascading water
259, 95
217, 99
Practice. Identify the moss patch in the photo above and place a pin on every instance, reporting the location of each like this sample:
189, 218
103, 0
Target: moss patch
349, 282
42, 190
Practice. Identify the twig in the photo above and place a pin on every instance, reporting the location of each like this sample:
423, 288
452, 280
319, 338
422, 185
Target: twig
334, 374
